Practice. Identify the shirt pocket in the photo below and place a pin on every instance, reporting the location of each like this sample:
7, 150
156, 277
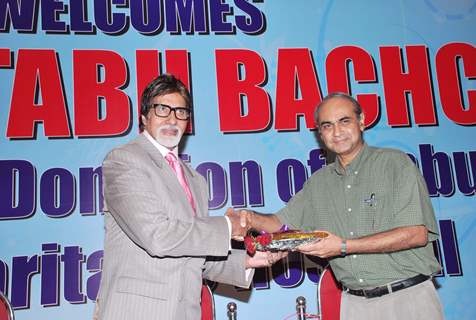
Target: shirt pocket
369, 206
145, 288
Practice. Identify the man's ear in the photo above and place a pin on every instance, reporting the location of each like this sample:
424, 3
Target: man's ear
144, 119
362, 122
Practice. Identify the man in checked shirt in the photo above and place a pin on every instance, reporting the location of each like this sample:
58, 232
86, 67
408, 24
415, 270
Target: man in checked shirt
375, 205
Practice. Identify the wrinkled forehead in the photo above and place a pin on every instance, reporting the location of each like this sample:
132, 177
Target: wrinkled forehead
173, 99
335, 109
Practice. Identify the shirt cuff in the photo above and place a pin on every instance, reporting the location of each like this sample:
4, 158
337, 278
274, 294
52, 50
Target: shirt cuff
248, 273
229, 232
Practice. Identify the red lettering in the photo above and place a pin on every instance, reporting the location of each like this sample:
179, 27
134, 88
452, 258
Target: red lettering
447, 59
37, 96
338, 78
5, 58
176, 63
101, 108
398, 83
297, 89
240, 75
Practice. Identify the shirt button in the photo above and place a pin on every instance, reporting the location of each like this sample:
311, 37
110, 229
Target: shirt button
354, 256
361, 280
349, 209
355, 172
349, 186
352, 233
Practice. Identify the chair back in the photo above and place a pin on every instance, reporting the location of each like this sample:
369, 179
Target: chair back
328, 296
208, 304
6, 311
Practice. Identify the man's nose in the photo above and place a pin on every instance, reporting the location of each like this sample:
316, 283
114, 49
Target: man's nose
172, 119
336, 129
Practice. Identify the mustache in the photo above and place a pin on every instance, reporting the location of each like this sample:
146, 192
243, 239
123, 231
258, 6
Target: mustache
170, 127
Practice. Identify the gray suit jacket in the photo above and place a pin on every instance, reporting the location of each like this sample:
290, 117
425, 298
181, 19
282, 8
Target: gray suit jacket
156, 252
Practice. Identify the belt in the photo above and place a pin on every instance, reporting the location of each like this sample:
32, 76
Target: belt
389, 288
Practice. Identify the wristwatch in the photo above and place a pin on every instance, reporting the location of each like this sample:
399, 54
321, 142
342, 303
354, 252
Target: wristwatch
343, 248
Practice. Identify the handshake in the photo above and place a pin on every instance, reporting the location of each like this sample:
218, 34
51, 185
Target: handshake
241, 221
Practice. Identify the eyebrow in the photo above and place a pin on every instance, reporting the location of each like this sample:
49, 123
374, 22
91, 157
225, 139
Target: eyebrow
164, 104
338, 120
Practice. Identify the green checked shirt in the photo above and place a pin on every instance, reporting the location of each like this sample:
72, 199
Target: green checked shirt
379, 190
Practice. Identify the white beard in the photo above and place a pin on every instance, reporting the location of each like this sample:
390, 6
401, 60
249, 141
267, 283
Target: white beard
168, 141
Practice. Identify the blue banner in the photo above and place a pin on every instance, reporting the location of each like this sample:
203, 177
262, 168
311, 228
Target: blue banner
71, 73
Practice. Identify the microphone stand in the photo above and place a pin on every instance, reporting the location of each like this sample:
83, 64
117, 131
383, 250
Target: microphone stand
301, 308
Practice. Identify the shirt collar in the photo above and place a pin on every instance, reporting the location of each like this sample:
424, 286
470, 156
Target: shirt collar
355, 164
163, 150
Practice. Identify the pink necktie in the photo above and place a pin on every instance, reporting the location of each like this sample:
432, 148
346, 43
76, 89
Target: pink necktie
175, 164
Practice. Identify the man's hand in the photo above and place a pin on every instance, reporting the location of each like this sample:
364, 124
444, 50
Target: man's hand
240, 223
327, 247
264, 259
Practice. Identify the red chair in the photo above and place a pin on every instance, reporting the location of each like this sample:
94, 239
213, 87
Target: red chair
208, 304
6, 311
328, 296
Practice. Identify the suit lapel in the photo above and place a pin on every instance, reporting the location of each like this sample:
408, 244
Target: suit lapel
165, 171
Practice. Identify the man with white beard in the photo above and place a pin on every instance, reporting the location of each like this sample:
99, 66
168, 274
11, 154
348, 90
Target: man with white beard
159, 240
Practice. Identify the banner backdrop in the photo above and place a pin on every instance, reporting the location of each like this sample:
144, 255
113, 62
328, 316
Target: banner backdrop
70, 78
